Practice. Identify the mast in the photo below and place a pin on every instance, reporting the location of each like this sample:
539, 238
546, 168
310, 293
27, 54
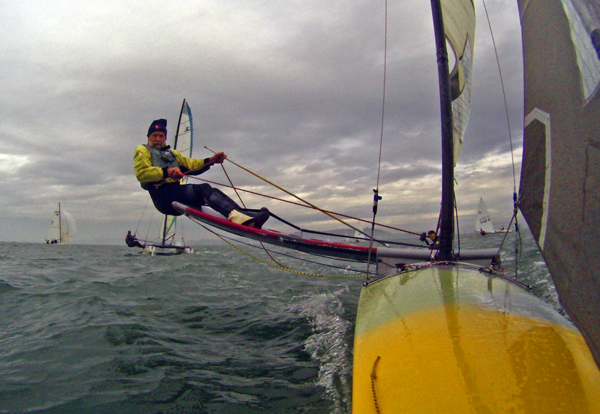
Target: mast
447, 205
59, 225
164, 232
179, 124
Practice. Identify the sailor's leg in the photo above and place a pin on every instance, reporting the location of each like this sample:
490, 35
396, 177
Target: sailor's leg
163, 196
219, 201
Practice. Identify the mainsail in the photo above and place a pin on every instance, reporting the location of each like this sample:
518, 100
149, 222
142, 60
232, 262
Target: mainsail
61, 227
185, 131
459, 27
560, 181
483, 222
453, 22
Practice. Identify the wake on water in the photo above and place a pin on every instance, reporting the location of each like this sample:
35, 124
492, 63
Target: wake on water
87, 329
329, 344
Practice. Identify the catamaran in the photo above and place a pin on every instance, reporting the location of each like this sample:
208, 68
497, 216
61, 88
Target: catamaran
441, 329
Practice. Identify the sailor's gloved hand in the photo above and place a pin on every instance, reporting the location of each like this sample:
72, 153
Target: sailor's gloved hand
218, 158
175, 173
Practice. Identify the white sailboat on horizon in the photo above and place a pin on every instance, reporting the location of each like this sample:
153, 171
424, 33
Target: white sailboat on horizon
61, 227
483, 221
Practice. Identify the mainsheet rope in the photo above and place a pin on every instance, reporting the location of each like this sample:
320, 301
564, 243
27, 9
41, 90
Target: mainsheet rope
244, 205
300, 205
278, 265
293, 195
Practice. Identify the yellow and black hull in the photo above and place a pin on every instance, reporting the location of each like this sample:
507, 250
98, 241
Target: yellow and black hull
448, 339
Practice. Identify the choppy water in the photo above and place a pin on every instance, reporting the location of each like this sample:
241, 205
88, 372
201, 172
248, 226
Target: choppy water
91, 329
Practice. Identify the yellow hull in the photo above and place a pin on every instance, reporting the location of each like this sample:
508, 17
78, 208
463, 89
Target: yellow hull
452, 340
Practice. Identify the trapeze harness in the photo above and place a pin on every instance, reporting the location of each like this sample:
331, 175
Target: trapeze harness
165, 159
164, 193
161, 158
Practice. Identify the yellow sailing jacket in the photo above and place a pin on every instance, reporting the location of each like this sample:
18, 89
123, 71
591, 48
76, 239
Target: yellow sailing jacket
148, 173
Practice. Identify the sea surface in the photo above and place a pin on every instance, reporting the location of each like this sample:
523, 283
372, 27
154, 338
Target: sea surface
98, 329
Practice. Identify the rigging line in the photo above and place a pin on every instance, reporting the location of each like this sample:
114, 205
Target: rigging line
142, 216
293, 195
504, 96
271, 264
518, 244
244, 204
302, 205
383, 95
232, 186
146, 236
518, 248
271, 256
385, 243
346, 269
373, 378
457, 222
376, 196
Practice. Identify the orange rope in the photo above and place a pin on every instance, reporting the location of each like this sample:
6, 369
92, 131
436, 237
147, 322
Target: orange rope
299, 204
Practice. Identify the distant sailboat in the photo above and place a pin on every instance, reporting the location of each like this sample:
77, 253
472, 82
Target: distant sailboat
61, 227
483, 221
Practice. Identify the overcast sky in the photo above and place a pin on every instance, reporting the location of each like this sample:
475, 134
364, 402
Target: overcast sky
291, 90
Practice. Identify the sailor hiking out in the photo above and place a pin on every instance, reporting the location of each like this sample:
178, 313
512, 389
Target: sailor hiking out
159, 169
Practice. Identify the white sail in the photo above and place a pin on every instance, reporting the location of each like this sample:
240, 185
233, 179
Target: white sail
483, 221
61, 227
184, 136
459, 27
559, 194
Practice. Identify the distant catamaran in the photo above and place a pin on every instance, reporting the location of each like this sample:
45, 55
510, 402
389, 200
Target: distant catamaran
61, 227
